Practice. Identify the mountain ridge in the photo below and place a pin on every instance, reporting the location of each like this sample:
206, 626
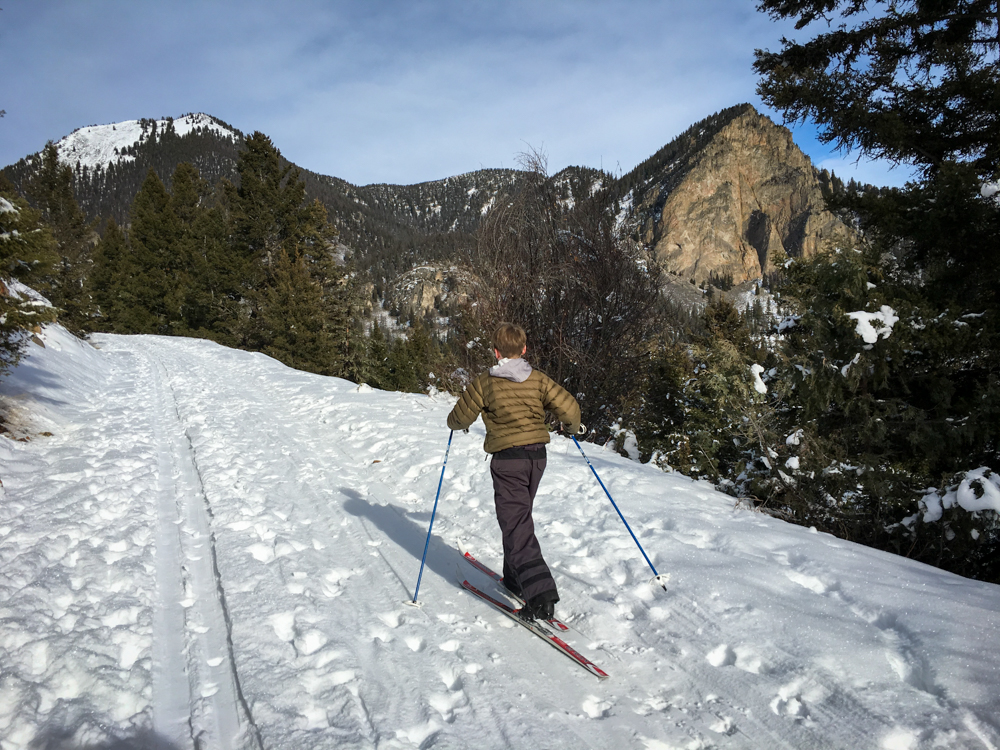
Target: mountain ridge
687, 203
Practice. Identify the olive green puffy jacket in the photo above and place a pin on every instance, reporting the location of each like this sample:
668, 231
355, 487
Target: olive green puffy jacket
514, 413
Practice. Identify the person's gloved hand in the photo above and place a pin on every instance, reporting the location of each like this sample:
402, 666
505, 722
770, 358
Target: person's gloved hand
565, 429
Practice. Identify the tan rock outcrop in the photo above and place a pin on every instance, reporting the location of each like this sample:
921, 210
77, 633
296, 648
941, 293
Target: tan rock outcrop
425, 288
748, 194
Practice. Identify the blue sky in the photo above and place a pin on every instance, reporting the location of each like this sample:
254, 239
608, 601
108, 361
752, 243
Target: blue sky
399, 92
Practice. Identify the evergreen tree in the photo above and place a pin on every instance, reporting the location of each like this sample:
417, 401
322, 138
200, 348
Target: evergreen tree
111, 282
909, 81
153, 236
292, 324
284, 248
376, 371
840, 392
424, 353
724, 323
918, 83
27, 253
163, 276
51, 190
267, 210
883, 420
264, 216
880, 419
339, 296
658, 418
730, 423
702, 411
402, 369
201, 261
251, 266
412, 359
354, 364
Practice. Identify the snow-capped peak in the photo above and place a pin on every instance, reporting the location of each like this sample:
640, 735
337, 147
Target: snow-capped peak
101, 145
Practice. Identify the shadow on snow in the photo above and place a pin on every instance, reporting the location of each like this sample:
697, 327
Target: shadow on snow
392, 521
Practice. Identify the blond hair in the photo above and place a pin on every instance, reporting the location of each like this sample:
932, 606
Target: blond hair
509, 340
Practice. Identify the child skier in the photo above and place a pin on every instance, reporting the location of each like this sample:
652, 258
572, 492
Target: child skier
513, 399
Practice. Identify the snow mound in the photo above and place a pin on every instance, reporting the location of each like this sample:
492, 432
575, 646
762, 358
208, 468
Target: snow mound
56, 366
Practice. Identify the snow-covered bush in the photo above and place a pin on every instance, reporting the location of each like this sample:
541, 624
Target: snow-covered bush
959, 526
26, 255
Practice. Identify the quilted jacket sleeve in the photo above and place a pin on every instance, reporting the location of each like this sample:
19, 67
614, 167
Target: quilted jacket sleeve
469, 406
557, 400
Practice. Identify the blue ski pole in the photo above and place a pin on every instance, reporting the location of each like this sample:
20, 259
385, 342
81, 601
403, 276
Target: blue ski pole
656, 576
431, 526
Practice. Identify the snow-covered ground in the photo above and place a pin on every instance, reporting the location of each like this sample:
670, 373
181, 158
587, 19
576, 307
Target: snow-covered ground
212, 550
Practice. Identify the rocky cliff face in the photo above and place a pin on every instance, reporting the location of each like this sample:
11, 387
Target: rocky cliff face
737, 192
426, 288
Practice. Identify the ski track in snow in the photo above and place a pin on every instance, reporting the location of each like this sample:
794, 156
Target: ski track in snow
215, 551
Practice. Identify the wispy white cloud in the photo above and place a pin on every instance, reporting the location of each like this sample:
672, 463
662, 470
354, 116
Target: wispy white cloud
389, 91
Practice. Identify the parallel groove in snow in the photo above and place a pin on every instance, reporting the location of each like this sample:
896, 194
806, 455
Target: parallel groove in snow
217, 711
171, 691
253, 729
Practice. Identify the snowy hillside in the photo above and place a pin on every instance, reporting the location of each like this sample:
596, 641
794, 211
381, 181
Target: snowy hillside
101, 145
212, 550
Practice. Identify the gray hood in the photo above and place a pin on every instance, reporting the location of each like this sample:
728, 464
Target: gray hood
512, 369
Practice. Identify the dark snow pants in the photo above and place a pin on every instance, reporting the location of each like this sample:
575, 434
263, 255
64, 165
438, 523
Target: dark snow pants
515, 481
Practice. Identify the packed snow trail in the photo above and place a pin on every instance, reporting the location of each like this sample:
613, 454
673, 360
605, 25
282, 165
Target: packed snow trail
212, 550
190, 616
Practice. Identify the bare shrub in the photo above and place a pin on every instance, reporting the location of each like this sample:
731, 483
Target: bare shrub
588, 296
